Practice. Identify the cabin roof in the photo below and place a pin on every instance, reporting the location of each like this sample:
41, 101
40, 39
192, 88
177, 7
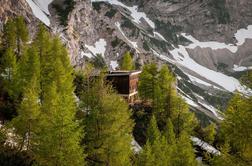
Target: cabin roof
124, 73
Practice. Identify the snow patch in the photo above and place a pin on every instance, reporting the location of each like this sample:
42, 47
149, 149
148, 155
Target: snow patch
199, 81
242, 34
40, 10
205, 146
114, 65
241, 68
156, 34
211, 44
98, 48
43, 5
135, 146
135, 14
189, 101
229, 83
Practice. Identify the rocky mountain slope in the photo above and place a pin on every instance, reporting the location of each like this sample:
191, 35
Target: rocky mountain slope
206, 42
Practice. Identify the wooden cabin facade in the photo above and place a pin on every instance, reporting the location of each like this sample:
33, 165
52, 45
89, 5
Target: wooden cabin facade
125, 83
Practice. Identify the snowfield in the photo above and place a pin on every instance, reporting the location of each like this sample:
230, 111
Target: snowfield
43, 5
242, 34
212, 44
182, 58
241, 68
98, 48
40, 9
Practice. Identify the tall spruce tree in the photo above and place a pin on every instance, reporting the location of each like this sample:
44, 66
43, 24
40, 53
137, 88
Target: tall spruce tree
149, 87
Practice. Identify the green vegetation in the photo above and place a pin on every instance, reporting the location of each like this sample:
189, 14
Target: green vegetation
235, 133
168, 30
158, 88
107, 124
48, 125
116, 42
64, 9
111, 13
127, 62
246, 78
39, 81
96, 6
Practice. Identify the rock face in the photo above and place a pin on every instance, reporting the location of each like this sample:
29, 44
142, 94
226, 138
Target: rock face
206, 20
195, 37
12, 8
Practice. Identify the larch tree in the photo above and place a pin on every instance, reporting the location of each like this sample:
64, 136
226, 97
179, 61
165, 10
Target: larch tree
59, 109
28, 66
22, 34
9, 35
183, 120
153, 132
25, 123
108, 126
149, 89
169, 132
58, 138
156, 151
236, 128
127, 62
183, 153
210, 133
9, 74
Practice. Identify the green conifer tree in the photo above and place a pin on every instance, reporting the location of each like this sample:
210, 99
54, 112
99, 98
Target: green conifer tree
9, 74
146, 157
9, 35
21, 33
183, 153
108, 126
153, 132
25, 123
236, 128
210, 133
59, 135
156, 151
182, 119
28, 66
169, 132
127, 62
